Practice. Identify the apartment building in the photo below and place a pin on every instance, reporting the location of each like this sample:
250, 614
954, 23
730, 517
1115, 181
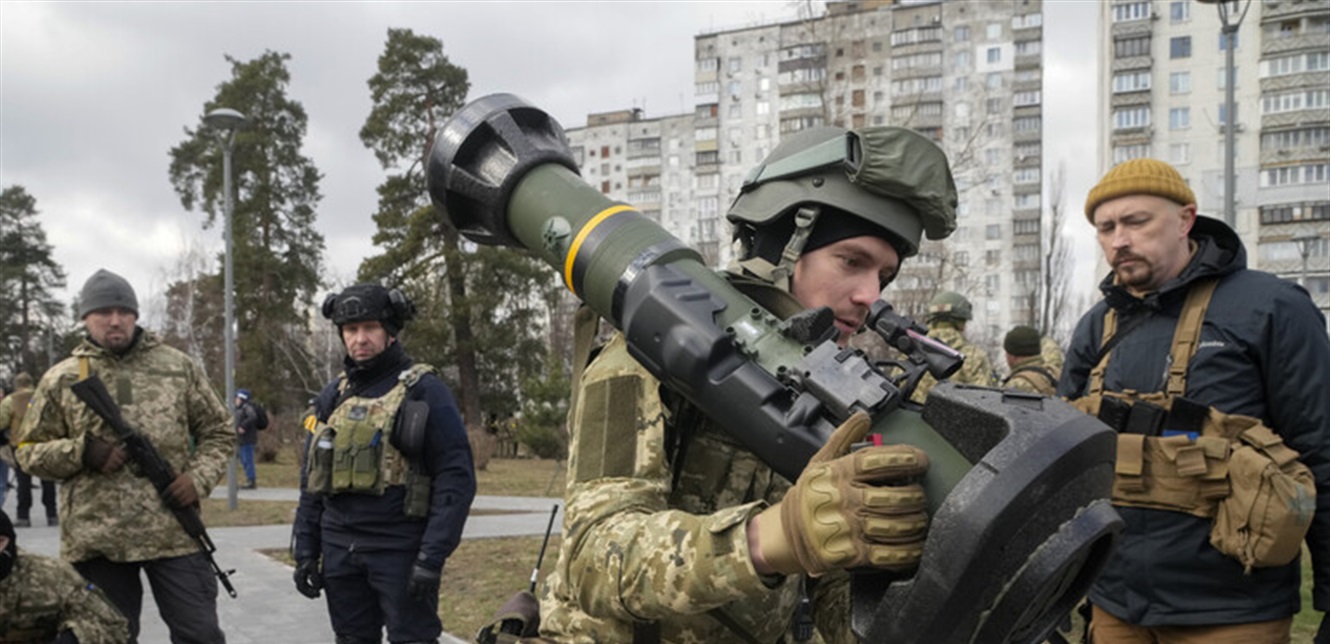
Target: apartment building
1163, 65
966, 74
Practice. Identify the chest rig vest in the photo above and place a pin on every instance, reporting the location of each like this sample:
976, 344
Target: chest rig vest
1179, 455
352, 452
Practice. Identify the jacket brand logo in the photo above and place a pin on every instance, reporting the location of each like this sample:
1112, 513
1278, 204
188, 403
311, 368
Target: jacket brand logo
1211, 344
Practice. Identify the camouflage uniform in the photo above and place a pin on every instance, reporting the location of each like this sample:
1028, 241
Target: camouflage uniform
1026, 376
977, 370
1051, 353
642, 544
163, 394
45, 596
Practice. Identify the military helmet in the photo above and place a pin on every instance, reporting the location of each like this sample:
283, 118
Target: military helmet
949, 305
890, 176
370, 303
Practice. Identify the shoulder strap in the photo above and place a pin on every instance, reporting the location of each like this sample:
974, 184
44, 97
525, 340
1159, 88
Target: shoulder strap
586, 323
1029, 368
1186, 337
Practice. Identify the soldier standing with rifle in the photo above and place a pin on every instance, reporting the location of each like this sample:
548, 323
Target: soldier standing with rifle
116, 523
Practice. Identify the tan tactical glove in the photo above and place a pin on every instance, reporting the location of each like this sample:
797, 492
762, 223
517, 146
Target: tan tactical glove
848, 510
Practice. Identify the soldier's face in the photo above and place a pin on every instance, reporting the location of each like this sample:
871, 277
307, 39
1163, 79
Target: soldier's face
364, 340
111, 328
847, 276
1144, 239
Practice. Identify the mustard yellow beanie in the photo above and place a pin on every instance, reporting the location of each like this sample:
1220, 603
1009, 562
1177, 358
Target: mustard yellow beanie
1139, 177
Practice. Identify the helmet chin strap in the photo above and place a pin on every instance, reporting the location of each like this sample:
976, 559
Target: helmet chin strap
780, 274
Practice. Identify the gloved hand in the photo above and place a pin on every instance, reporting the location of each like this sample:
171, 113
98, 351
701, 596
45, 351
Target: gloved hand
181, 493
424, 582
102, 456
1323, 633
66, 637
309, 581
847, 510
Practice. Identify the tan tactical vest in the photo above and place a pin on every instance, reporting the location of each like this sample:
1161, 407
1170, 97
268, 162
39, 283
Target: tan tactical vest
1232, 468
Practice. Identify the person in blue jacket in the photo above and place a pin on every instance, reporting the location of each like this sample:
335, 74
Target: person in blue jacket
388, 480
1262, 352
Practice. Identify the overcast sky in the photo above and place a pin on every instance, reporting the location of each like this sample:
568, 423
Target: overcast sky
94, 95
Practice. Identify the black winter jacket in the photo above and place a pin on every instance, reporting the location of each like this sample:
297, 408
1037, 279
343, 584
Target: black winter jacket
1263, 352
365, 522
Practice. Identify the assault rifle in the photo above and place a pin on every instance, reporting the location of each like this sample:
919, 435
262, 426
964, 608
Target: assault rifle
151, 466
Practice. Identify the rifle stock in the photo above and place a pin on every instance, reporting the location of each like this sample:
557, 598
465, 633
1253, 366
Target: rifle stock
151, 465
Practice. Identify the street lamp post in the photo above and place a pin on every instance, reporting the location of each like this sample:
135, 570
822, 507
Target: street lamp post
1304, 243
1228, 33
228, 120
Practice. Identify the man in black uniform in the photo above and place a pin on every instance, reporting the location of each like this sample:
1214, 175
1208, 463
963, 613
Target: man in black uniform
388, 480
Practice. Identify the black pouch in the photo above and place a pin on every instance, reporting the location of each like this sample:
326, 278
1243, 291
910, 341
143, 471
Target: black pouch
1145, 418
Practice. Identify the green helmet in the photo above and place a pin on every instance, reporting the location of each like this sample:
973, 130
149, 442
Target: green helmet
890, 176
949, 305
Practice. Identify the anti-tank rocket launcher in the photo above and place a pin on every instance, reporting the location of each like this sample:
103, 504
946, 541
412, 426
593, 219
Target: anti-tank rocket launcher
1017, 484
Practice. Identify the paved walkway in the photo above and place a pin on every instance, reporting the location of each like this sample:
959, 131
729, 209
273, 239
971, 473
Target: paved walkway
268, 609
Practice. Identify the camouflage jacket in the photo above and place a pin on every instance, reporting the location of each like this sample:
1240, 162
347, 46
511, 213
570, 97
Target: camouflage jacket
641, 543
162, 394
44, 596
1028, 374
977, 370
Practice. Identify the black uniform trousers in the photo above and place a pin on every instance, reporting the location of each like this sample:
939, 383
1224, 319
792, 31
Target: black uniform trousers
367, 591
184, 587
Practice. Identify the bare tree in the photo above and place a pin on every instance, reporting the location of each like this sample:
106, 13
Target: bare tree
1058, 268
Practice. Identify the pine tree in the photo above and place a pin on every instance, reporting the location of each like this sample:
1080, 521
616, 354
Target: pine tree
29, 311
277, 253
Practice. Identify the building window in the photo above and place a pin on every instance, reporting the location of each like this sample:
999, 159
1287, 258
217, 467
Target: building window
1179, 11
1179, 118
1027, 201
1026, 226
1179, 153
1179, 83
994, 54
993, 31
1128, 152
1296, 174
1131, 117
994, 105
1223, 42
993, 257
1028, 47
961, 33
736, 63
1026, 124
1179, 47
1134, 80
1024, 99
1127, 11
994, 80
962, 60
993, 231
1130, 47
1026, 175
1305, 137
1223, 113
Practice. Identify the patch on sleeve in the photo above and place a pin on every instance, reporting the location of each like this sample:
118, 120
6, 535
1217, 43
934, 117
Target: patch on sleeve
607, 437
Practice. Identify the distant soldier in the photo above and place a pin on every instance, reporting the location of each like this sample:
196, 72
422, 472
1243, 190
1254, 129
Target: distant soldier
12, 409
947, 315
1029, 372
45, 600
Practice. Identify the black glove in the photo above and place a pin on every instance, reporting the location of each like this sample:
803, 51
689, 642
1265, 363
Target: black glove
309, 581
424, 583
66, 637
1323, 633
103, 456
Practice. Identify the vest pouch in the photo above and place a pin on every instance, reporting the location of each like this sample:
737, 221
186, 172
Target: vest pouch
1263, 522
416, 504
357, 462
319, 461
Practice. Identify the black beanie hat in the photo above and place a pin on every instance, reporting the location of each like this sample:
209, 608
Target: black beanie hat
1022, 341
105, 290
